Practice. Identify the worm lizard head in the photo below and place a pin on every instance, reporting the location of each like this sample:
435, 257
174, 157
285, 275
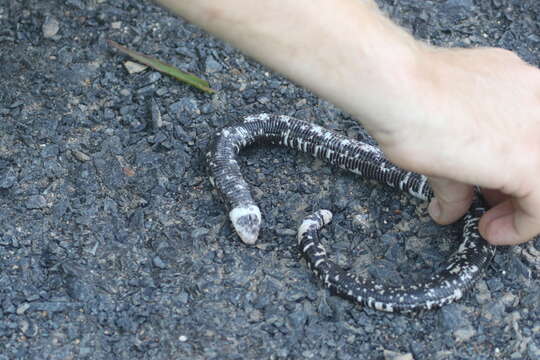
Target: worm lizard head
246, 221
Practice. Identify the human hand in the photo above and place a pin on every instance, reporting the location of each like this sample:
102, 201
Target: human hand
472, 116
461, 116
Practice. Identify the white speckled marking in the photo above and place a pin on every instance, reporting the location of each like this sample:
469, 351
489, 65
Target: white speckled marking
462, 268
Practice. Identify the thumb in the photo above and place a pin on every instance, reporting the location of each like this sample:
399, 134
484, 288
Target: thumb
511, 222
452, 200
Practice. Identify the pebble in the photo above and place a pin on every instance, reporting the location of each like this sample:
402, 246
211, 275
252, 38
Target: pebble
298, 319
255, 316
50, 27
134, 68
393, 355
185, 106
285, 232
454, 317
362, 221
295, 295
28, 328
534, 350
21, 309
79, 155
212, 65
494, 311
8, 179
464, 334
159, 263
481, 292
36, 202
157, 121
460, 3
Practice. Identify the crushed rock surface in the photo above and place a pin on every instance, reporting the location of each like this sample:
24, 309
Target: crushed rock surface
113, 244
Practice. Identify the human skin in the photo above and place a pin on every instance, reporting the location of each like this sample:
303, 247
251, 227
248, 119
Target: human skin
460, 116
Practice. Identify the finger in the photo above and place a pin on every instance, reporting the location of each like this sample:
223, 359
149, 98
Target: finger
511, 222
452, 199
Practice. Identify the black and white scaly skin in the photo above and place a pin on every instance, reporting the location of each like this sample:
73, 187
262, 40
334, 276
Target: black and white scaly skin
463, 267
461, 271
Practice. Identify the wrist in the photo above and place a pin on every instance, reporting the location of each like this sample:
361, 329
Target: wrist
376, 63
346, 51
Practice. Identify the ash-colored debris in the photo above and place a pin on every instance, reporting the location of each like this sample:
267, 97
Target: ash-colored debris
114, 245
50, 27
134, 67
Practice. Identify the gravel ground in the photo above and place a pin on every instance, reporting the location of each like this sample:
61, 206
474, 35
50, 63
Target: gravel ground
113, 244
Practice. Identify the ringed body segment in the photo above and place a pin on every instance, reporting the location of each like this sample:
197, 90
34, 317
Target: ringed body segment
462, 269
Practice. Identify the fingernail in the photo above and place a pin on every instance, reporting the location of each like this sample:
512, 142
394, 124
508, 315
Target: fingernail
434, 209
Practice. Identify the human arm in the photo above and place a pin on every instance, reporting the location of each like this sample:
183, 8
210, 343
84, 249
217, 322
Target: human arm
340, 49
461, 116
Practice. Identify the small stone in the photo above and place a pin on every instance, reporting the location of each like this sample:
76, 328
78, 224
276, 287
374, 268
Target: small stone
29, 329
285, 232
534, 350
263, 100
36, 202
25, 326
300, 103
108, 114
76, 3
509, 300
162, 91
182, 338
457, 5
495, 284
157, 122
8, 307
50, 151
184, 51
393, 355
295, 295
133, 67
5, 240
212, 65
50, 27
116, 25
22, 308
199, 233
361, 220
79, 155
153, 77
8, 179
147, 90
464, 334
158, 262
442, 355
125, 93
298, 319
453, 317
16, 104
185, 106
85, 351
183, 297
255, 316
482, 294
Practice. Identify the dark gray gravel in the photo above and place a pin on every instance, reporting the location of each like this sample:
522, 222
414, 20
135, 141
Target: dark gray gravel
113, 244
